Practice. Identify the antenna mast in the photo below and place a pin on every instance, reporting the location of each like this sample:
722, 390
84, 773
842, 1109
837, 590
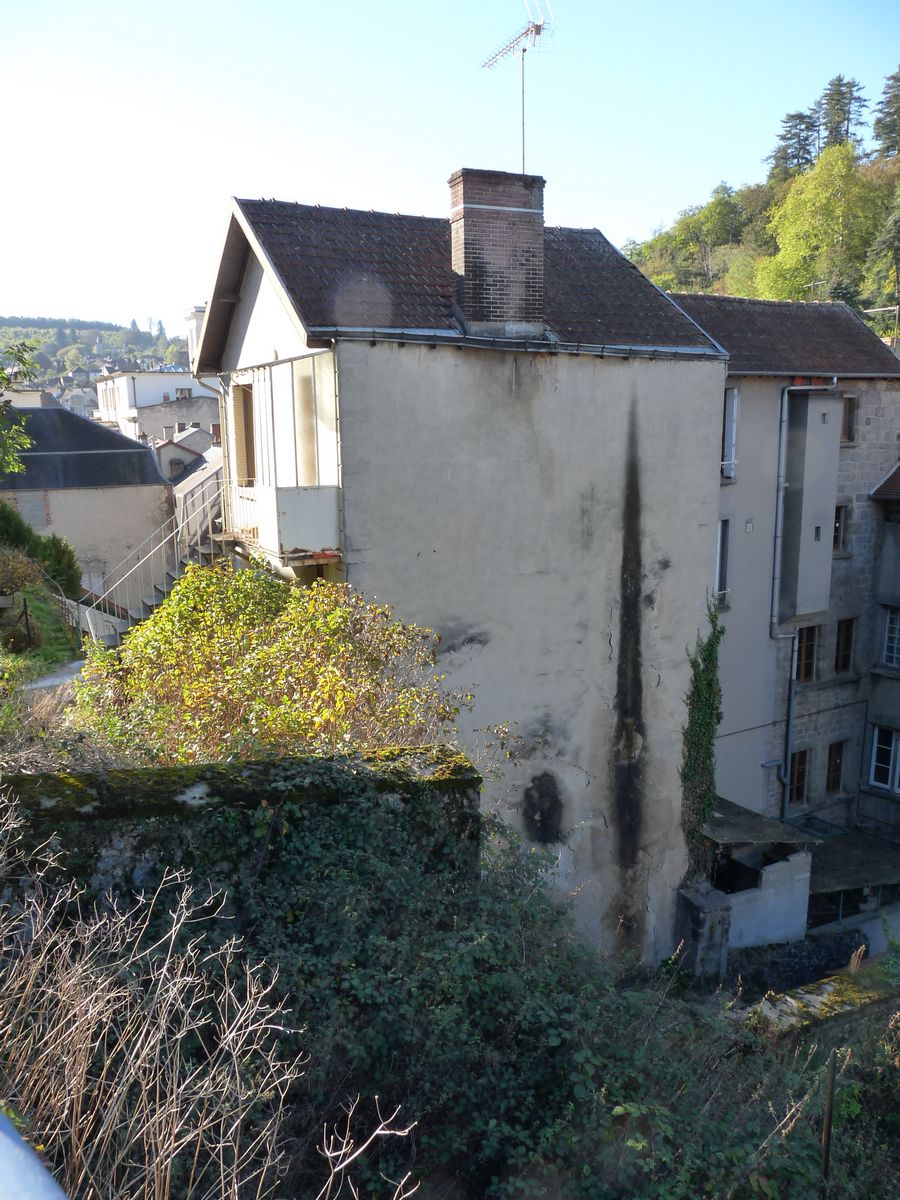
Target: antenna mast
530, 35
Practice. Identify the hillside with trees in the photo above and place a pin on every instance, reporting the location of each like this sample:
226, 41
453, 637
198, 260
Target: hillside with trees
823, 225
62, 346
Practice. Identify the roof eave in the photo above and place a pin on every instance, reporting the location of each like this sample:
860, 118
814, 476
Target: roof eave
817, 372
332, 333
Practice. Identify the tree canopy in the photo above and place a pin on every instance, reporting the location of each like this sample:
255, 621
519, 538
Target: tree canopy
822, 226
16, 363
823, 229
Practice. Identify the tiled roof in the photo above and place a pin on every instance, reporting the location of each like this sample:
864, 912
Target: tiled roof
889, 489
346, 268
785, 337
69, 451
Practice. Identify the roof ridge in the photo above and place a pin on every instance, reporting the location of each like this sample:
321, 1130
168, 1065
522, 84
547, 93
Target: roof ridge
337, 208
764, 300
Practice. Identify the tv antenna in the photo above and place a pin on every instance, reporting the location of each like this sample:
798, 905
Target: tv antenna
529, 36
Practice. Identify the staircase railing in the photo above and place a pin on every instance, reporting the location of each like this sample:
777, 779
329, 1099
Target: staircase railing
144, 577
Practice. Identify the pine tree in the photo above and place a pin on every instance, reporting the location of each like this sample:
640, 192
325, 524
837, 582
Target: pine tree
840, 110
886, 126
797, 146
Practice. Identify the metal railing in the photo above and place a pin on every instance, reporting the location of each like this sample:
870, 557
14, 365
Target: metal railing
142, 580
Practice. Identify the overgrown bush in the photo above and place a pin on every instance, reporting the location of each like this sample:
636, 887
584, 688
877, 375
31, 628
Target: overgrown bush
53, 553
17, 571
531, 1070
241, 664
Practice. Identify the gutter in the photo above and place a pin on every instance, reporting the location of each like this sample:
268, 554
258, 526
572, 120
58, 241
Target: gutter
784, 768
438, 337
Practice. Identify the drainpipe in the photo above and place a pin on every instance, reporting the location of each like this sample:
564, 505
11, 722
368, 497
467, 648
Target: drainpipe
342, 540
784, 768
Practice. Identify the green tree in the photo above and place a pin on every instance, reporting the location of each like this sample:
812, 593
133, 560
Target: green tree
16, 363
840, 111
883, 265
797, 146
237, 664
886, 126
823, 228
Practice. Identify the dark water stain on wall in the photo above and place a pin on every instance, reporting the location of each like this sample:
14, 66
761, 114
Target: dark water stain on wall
627, 751
542, 809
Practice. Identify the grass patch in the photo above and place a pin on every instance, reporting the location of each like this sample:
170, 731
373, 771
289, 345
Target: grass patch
56, 642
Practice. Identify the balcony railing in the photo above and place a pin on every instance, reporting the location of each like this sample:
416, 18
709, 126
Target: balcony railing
290, 524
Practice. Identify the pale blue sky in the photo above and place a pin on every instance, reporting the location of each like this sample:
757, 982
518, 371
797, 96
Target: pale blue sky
128, 126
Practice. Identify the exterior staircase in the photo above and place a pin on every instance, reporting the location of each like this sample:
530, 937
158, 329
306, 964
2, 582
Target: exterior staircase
137, 586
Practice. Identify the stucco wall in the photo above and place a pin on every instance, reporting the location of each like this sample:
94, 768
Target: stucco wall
262, 330
485, 496
755, 669
102, 524
776, 910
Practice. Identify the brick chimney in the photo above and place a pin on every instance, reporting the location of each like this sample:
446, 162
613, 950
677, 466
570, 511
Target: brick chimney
497, 239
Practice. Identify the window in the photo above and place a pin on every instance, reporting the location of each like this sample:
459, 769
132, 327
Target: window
729, 432
885, 769
216, 431
835, 769
720, 596
890, 646
839, 543
799, 765
848, 419
843, 648
806, 653
244, 442
183, 393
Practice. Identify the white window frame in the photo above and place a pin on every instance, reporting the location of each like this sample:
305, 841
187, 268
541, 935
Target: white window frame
721, 593
890, 638
730, 411
885, 738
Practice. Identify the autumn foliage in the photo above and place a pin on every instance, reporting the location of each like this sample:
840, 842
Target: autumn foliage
239, 664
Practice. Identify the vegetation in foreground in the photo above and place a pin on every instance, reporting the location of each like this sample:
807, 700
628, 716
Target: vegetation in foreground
530, 1067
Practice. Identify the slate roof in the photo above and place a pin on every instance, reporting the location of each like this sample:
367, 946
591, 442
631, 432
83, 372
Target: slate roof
889, 489
789, 337
70, 451
344, 268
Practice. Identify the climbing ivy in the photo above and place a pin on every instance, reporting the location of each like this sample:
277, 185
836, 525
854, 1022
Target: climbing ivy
698, 764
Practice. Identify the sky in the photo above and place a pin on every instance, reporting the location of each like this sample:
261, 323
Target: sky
129, 126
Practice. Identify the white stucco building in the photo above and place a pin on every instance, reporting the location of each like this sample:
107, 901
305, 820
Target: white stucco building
155, 405
100, 491
506, 432
808, 586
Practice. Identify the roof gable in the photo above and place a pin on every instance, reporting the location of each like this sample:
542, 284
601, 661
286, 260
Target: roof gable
791, 337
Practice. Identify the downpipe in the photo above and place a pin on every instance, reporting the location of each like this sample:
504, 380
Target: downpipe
784, 767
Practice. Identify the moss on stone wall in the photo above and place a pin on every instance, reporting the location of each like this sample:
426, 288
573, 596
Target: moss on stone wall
837, 1007
120, 830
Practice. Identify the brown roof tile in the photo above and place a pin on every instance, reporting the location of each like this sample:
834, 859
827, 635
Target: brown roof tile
786, 337
347, 268
889, 489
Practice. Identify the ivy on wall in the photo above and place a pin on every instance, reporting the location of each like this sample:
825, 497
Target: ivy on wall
698, 764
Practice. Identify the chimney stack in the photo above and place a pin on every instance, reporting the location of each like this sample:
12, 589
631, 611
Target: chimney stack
497, 239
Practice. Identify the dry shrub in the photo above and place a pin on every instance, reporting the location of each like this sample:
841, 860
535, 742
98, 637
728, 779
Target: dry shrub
36, 735
145, 1063
17, 571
